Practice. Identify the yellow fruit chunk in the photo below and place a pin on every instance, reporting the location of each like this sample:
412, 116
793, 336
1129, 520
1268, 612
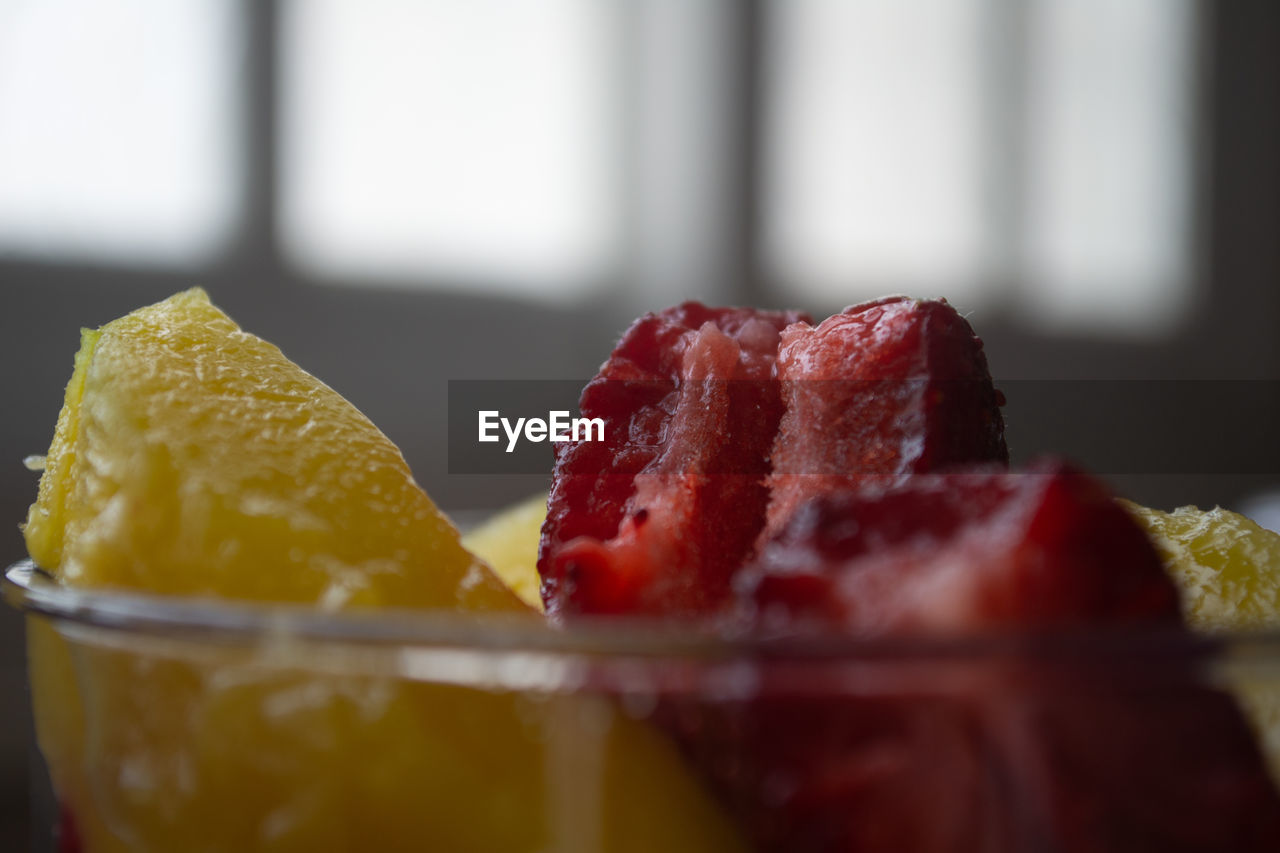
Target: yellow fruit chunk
508, 542
193, 459
1226, 566
1227, 569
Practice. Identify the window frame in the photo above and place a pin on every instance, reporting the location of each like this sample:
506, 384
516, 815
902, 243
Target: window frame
1229, 333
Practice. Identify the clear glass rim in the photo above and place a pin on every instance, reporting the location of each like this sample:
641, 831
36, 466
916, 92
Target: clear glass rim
220, 621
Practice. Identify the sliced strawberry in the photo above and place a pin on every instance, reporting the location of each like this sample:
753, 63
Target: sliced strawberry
963, 552
883, 390
655, 518
1007, 752
1012, 752
658, 517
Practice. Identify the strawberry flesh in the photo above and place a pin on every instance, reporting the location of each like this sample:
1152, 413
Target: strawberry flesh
881, 391
706, 452
656, 518
969, 551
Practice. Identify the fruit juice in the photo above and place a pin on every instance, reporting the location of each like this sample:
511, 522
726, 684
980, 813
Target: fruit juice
254, 631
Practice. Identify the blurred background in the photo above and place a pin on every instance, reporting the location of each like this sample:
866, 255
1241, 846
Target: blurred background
404, 193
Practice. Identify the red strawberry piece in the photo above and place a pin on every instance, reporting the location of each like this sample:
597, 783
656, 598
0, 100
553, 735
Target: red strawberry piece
883, 390
657, 517
968, 551
1021, 751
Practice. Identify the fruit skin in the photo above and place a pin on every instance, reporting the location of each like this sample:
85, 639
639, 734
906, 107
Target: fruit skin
655, 519
193, 459
879, 392
997, 753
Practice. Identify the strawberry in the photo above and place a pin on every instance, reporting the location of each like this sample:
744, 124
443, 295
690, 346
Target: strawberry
706, 452
739, 437
1018, 749
656, 518
970, 551
881, 391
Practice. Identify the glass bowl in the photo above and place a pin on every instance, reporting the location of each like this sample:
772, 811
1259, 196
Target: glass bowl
183, 724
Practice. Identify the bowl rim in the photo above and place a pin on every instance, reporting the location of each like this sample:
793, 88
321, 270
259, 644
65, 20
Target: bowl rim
34, 591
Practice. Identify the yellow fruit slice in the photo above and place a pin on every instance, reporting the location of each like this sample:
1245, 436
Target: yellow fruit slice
508, 542
193, 459
1226, 566
1227, 569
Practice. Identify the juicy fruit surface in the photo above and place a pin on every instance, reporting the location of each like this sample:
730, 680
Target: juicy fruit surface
508, 543
1227, 566
654, 519
720, 422
1021, 753
192, 458
876, 393
963, 552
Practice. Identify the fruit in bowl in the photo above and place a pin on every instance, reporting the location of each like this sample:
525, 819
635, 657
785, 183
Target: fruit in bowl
886, 512
785, 501
192, 460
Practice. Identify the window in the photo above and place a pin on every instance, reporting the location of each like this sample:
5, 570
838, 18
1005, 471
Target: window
119, 138
457, 140
875, 147
1109, 175
1031, 155
1035, 157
